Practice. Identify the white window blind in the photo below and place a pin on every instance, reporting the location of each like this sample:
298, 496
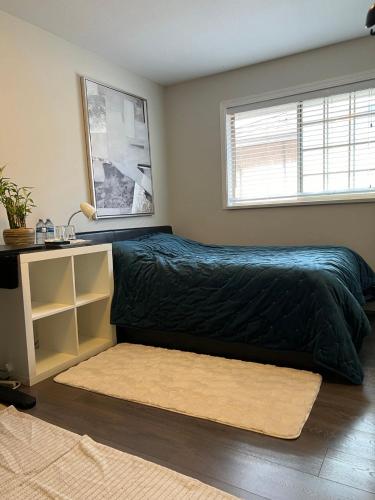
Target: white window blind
322, 147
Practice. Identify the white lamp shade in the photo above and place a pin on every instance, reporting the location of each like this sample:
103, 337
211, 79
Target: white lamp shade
88, 210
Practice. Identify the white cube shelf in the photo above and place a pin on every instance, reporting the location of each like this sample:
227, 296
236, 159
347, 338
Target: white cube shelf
61, 311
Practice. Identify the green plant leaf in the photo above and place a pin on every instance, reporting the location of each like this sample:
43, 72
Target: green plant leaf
16, 200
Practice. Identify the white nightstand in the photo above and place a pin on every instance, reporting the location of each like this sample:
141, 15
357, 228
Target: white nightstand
60, 313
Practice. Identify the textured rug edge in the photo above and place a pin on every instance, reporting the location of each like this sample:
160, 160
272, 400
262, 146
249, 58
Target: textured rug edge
217, 421
293, 436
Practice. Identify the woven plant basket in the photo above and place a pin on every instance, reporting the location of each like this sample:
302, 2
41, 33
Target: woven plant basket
24, 236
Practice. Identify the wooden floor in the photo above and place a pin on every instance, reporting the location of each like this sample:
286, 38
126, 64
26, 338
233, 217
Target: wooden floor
334, 457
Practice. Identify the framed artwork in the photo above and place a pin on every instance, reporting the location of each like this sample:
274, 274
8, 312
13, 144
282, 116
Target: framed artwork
118, 147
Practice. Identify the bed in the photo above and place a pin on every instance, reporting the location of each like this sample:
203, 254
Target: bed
304, 300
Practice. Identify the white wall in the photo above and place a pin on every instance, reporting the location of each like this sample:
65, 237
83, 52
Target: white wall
41, 125
42, 140
193, 133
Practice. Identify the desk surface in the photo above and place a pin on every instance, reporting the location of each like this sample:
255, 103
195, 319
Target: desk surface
8, 250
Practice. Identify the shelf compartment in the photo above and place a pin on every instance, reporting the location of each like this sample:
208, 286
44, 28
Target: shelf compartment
51, 286
94, 329
86, 298
44, 309
91, 274
55, 340
50, 361
93, 345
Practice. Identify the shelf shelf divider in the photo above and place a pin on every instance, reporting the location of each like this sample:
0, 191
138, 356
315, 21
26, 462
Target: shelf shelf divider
44, 309
89, 297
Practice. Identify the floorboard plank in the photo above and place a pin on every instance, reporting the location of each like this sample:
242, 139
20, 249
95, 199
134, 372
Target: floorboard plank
350, 470
358, 443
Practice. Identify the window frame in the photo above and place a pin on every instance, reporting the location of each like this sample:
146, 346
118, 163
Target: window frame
322, 88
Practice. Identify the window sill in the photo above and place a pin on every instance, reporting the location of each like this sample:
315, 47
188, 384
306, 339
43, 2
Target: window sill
311, 200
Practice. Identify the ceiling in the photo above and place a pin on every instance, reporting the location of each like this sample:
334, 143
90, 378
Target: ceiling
175, 40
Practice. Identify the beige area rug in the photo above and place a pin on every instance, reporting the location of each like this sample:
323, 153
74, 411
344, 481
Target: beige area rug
261, 398
41, 461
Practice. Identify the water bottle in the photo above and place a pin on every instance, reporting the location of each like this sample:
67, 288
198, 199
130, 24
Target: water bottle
50, 230
40, 231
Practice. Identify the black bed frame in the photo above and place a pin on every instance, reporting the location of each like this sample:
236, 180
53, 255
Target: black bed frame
188, 342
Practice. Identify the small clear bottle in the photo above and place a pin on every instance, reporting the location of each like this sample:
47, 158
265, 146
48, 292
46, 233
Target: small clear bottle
40, 232
50, 230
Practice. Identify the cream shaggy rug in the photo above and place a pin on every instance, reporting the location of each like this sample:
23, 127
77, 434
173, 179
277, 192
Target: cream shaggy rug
41, 461
261, 398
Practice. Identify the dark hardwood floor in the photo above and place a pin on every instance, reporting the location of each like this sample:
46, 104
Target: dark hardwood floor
333, 459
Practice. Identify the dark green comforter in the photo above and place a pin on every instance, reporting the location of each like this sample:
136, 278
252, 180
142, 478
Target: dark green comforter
283, 298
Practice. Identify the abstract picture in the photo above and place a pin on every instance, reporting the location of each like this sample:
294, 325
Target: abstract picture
118, 151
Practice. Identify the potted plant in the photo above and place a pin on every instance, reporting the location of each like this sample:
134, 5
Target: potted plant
18, 203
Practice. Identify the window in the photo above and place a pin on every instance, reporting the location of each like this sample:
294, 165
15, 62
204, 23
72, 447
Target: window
307, 150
